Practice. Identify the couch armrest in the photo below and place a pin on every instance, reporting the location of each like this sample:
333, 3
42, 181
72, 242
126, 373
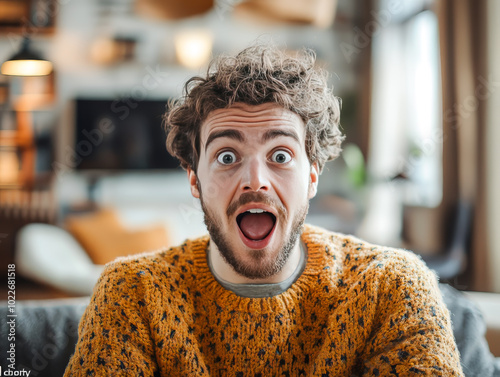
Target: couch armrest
46, 332
489, 305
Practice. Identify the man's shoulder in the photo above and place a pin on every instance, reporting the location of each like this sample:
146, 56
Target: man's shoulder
348, 248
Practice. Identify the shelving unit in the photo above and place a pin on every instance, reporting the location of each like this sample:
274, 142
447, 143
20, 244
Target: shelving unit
20, 141
26, 196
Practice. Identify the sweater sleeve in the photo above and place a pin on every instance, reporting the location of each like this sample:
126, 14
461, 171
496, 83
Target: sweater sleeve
114, 336
414, 335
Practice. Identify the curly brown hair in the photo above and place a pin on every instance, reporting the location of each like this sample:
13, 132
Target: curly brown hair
259, 74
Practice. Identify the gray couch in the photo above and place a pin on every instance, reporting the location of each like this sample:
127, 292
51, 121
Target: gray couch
47, 331
46, 334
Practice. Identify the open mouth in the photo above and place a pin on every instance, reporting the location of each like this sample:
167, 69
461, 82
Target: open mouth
256, 224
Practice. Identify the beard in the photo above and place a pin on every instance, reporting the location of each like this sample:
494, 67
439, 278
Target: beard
263, 263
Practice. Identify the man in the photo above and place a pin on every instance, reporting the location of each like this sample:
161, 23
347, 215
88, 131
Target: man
263, 294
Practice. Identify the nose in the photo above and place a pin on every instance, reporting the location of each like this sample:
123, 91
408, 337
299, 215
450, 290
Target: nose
255, 176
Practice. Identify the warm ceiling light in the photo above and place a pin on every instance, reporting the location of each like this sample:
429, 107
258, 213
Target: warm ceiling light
319, 13
26, 63
193, 48
173, 9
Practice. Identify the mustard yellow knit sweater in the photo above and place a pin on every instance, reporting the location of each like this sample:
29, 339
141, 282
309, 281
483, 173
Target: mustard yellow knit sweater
356, 310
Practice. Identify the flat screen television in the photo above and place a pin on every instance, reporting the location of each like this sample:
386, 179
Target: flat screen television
121, 135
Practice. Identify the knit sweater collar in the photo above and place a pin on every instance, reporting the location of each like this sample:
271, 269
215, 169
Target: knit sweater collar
257, 290
284, 301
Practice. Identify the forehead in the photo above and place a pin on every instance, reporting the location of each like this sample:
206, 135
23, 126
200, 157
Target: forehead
251, 118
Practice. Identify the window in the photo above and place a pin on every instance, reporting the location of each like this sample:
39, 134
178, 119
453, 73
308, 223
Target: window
406, 135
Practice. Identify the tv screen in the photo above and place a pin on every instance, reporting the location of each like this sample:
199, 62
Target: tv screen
124, 134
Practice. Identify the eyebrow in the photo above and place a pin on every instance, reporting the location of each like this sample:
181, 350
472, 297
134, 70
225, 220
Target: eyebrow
274, 133
232, 134
237, 135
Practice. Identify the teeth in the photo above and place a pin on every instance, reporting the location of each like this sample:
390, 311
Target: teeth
256, 210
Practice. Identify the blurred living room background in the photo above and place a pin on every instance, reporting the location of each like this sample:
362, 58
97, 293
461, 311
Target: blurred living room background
85, 177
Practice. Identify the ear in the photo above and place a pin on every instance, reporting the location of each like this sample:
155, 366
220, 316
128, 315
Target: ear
313, 181
193, 183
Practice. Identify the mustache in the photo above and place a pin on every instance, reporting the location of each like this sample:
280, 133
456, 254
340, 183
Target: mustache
255, 197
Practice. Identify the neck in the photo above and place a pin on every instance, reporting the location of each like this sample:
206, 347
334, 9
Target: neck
226, 272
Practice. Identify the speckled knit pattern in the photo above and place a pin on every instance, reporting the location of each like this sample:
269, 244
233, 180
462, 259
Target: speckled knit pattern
357, 310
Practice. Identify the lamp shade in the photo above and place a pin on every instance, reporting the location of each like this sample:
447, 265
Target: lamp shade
26, 63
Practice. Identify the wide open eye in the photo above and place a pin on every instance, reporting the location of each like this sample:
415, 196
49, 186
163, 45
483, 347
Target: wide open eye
226, 158
281, 157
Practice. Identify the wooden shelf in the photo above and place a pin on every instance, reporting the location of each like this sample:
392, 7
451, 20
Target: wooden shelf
11, 138
21, 141
24, 17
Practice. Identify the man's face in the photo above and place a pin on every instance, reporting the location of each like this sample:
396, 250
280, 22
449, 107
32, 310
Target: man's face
254, 181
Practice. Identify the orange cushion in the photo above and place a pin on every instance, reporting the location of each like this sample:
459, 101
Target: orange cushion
104, 238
